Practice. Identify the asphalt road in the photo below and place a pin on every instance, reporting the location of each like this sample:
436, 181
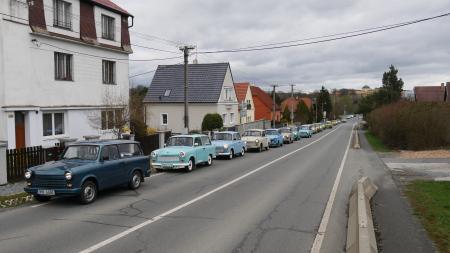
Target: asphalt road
264, 202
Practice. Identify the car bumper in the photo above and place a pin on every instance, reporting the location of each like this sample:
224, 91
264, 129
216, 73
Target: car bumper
223, 154
171, 166
253, 145
58, 192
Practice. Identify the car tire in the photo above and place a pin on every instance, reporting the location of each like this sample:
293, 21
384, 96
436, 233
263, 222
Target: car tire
210, 161
260, 148
243, 152
191, 165
231, 154
42, 198
88, 192
135, 181
267, 148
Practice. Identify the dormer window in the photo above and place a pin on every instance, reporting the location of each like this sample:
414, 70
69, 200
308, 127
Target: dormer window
167, 93
62, 14
108, 25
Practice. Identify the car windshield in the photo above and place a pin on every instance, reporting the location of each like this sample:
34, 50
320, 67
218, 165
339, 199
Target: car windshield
223, 137
272, 132
293, 129
81, 152
252, 133
179, 141
285, 130
305, 127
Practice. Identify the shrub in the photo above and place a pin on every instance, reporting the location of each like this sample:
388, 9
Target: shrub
412, 125
212, 121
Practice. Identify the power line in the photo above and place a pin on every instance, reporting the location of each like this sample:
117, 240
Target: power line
156, 49
368, 31
154, 70
153, 37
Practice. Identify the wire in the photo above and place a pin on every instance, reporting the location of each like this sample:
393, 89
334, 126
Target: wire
368, 31
152, 71
147, 36
156, 49
109, 58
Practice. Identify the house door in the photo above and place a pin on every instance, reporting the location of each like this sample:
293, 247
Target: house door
20, 129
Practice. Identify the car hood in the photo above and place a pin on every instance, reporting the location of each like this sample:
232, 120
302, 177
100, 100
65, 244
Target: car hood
251, 138
175, 150
286, 134
305, 130
272, 136
221, 143
58, 167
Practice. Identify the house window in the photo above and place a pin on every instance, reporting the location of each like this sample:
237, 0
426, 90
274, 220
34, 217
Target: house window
53, 124
228, 94
109, 72
231, 118
108, 27
249, 105
62, 14
167, 93
63, 67
164, 119
111, 119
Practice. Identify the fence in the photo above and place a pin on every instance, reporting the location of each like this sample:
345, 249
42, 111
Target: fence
18, 160
149, 143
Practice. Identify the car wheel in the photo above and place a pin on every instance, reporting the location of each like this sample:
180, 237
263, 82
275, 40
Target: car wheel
260, 148
243, 152
42, 198
231, 154
191, 165
210, 160
88, 192
135, 181
159, 170
267, 148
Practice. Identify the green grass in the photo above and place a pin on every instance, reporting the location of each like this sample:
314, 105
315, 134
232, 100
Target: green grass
376, 143
431, 203
19, 197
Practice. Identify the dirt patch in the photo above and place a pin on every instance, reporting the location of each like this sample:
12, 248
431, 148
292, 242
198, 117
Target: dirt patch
441, 153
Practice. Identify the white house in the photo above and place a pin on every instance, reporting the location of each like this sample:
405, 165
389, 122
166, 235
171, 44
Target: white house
63, 69
245, 99
211, 90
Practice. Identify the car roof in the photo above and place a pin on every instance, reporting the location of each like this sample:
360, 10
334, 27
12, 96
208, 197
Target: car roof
226, 132
272, 129
189, 135
103, 142
260, 130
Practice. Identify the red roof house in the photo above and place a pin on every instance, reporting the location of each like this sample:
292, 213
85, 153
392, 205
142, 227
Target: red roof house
293, 103
264, 105
430, 93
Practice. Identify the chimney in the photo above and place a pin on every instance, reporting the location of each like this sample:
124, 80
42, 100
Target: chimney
442, 85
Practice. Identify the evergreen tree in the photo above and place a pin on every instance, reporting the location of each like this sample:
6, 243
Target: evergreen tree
324, 103
286, 114
303, 114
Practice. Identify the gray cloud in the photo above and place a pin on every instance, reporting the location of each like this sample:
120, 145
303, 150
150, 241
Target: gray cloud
420, 52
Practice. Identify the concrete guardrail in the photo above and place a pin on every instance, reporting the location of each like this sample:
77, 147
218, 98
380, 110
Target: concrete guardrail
356, 144
360, 230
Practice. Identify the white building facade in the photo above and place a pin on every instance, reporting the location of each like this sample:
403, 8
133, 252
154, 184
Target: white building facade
63, 70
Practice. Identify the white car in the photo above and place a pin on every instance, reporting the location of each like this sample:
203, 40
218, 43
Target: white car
256, 139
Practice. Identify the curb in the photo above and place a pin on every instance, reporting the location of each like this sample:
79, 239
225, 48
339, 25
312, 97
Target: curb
360, 230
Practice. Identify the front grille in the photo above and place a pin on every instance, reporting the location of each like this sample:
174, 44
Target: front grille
49, 181
220, 150
168, 158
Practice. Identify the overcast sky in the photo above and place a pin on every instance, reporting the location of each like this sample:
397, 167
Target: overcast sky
421, 52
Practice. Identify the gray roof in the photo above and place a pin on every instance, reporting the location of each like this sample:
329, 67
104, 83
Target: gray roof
205, 83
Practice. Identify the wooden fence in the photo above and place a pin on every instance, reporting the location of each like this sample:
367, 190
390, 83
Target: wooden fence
18, 160
149, 143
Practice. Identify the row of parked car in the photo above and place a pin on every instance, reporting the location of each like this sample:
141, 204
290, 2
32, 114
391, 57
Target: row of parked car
85, 168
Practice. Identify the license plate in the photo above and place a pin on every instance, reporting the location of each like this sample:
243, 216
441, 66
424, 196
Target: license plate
46, 192
167, 166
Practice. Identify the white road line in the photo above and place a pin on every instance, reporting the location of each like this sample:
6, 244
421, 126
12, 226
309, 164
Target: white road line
38, 205
157, 174
326, 215
156, 218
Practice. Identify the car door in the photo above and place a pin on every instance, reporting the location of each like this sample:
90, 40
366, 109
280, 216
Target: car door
208, 148
131, 156
110, 170
198, 147
240, 143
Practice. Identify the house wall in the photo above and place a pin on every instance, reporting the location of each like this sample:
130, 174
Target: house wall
27, 78
261, 110
175, 114
230, 107
250, 113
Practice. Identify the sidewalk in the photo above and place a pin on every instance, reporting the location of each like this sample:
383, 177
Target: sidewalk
398, 229
11, 189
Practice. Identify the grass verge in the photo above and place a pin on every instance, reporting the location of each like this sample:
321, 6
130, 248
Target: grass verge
431, 203
376, 143
15, 200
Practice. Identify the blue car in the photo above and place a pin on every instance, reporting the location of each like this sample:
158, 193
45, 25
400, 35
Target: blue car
184, 152
296, 131
228, 144
88, 167
306, 131
275, 137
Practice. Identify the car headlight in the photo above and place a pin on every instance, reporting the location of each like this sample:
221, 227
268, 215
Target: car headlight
28, 174
182, 154
225, 146
257, 141
153, 154
68, 175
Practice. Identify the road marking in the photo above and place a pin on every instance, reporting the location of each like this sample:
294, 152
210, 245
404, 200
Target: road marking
157, 174
326, 215
158, 217
38, 205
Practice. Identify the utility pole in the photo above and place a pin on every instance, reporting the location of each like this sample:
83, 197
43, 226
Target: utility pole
316, 107
186, 50
274, 105
292, 105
